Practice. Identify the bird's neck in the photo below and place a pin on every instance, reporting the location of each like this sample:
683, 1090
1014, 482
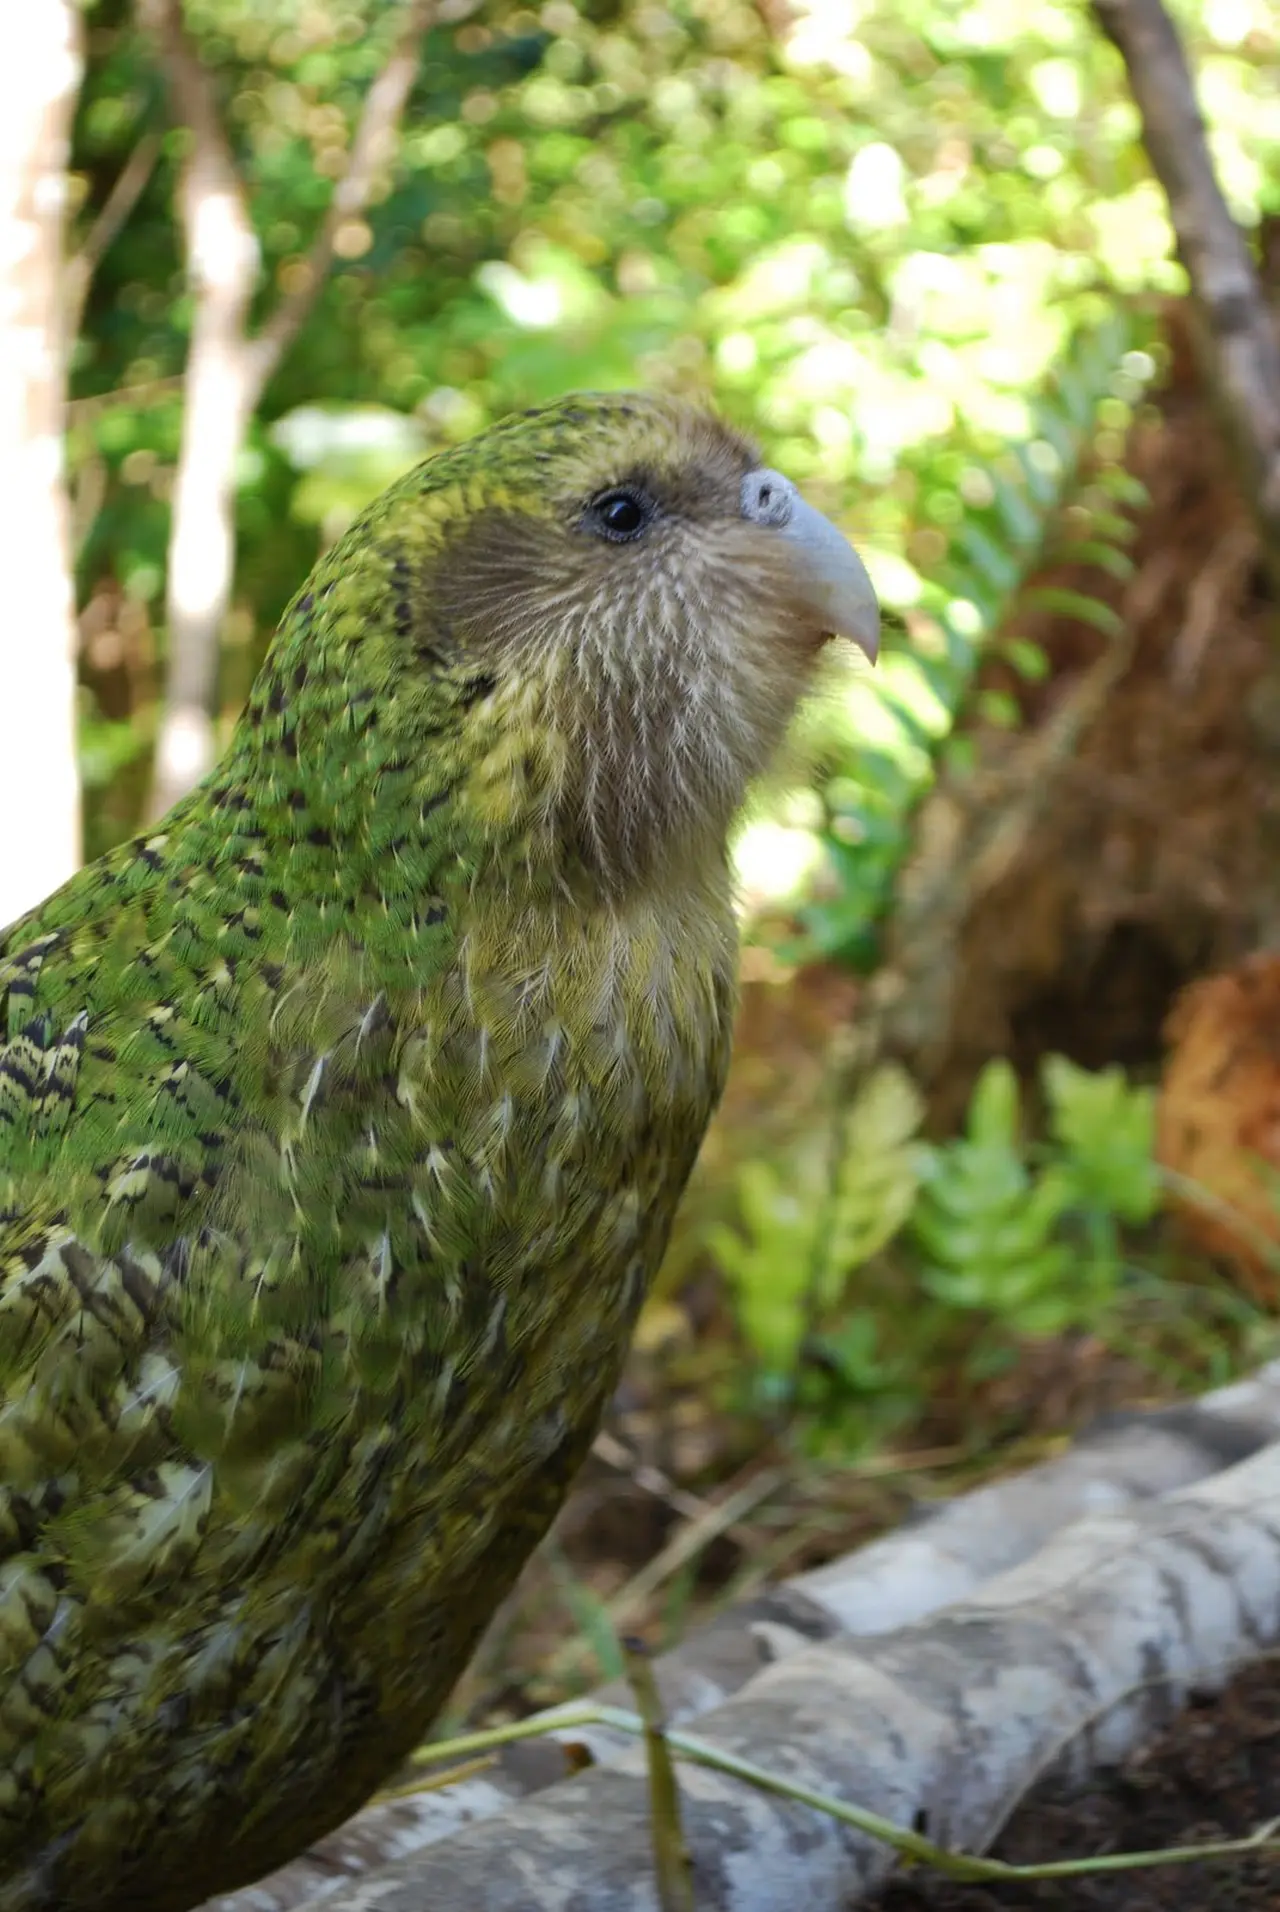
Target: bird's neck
366, 777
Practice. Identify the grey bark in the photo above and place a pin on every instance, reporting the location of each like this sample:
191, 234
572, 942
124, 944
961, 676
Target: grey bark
39, 778
946, 1554
1059, 1665
228, 368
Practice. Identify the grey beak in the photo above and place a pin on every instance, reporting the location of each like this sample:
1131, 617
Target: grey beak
830, 573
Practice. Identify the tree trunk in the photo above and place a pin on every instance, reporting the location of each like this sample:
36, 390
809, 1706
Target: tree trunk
223, 263
1236, 330
39, 779
228, 367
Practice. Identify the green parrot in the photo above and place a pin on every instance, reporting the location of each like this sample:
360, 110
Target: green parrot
343, 1116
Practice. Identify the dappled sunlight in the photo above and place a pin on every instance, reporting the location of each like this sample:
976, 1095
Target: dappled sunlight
774, 863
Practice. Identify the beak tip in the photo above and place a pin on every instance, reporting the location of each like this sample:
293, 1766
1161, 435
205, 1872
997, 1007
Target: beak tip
867, 640
835, 580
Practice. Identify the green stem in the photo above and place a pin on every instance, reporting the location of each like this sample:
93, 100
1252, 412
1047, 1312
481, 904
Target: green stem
910, 1845
672, 1864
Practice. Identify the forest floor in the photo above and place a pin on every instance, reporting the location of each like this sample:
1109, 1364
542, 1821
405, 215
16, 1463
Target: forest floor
1214, 1774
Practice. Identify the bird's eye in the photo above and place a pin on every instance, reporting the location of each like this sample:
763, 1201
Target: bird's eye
620, 515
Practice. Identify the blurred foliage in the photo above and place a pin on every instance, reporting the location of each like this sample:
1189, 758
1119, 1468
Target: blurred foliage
1054, 496
854, 1279
805, 1228
867, 228
1038, 1247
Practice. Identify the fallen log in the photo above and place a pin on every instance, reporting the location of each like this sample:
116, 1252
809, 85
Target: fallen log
955, 1552
1062, 1663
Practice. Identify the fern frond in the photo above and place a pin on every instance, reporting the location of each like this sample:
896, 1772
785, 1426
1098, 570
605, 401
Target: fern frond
1058, 496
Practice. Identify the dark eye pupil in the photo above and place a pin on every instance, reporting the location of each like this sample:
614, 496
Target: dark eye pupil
621, 514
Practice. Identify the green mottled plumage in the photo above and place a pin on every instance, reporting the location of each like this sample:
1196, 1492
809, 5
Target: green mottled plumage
342, 1120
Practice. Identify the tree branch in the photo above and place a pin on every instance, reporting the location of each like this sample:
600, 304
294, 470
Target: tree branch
128, 188
1238, 336
190, 86
147, 391
1061, 1666
905, 1577
371, 148
222, 252
223, 260
227, 368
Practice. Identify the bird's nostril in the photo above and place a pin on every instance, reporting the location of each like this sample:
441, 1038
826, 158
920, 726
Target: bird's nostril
766, 498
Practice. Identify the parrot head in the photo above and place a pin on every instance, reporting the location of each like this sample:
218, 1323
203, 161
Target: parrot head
605, 610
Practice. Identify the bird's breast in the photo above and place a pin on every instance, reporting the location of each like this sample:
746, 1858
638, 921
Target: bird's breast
306, 1463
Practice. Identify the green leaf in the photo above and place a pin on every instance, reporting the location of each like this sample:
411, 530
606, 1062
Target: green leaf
1106, 1130
1030, 660
997, 707
812, 1218
1024, 525
1077, 604
1095, 551
994, 1109
997, 566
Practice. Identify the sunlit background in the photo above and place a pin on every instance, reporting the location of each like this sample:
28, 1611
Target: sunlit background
870, 232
